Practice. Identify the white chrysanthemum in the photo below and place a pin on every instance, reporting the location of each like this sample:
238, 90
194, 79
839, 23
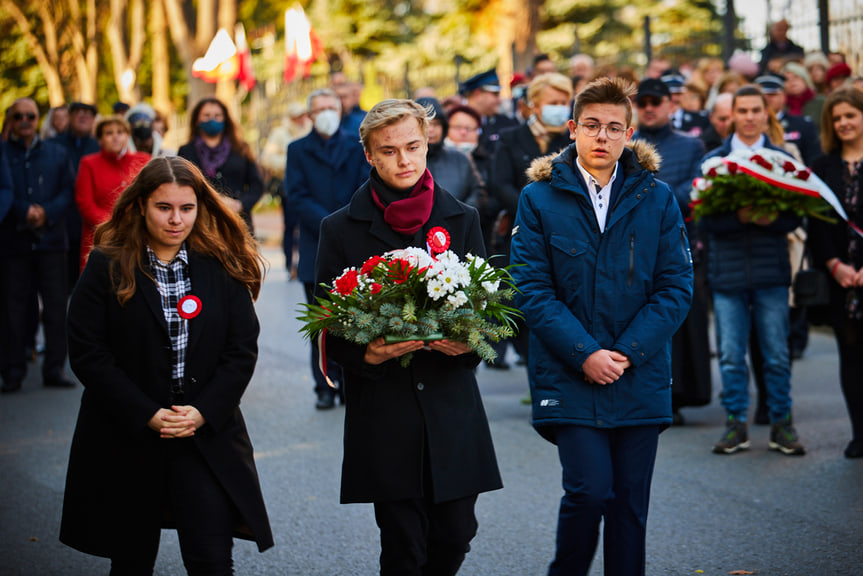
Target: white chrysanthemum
714, 163
457, 299
435, 289
491, 287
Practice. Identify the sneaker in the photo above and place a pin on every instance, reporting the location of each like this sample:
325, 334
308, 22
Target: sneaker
735, 437
783, 438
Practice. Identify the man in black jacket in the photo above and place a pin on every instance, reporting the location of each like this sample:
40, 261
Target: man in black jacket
33, 236
417, 443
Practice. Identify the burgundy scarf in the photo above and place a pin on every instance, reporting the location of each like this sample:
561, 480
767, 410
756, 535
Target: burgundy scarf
796, 103
405, 215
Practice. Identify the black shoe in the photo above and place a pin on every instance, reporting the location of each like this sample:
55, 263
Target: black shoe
59, 383
854, 449
9, 387
500, 365
521, 361
735, 437
326, 399
677, 418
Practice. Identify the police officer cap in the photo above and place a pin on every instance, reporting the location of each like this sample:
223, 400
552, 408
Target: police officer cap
82, 106
652, 87
674, 82
488, 81
771, 83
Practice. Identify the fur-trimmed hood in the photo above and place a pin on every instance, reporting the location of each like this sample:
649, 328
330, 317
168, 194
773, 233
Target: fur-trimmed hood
637, 151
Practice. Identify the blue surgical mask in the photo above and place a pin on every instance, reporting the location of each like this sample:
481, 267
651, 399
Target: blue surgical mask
212, 127
555, 115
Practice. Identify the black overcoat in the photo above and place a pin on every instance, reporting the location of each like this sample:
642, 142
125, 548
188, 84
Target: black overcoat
393, 415
122, 355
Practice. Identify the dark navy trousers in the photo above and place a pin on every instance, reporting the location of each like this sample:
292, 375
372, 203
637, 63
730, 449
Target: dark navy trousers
606, 476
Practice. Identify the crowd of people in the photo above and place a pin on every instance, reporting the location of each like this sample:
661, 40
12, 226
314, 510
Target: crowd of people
581, 179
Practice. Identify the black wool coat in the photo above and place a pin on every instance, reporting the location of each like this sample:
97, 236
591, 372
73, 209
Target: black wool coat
122, 355
398, 419
238, 178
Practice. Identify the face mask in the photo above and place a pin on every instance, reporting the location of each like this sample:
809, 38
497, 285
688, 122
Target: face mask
142, 133
555, 115
463, 147
327, 122
212, 127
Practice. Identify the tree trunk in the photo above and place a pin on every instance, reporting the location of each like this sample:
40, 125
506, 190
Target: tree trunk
47, 56
161, 61
226, 90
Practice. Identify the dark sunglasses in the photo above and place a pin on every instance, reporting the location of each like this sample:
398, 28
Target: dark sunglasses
18, 116
645, 102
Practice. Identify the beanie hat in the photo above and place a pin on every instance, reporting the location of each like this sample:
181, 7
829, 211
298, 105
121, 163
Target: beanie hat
838, 70
799, 70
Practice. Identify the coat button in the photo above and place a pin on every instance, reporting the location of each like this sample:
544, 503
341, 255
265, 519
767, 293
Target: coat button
580, 346
572, 250
420, 386
634, 345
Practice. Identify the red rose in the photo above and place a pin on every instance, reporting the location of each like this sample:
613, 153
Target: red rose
789, 166
346, 283
758, 159
371, 264
711, 173
376, 287
732, 168
803, 174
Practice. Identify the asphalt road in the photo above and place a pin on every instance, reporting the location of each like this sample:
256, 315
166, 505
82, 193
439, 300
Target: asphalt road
757, 511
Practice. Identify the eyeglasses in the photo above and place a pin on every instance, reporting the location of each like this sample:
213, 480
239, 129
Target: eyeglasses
612, 131
18, 116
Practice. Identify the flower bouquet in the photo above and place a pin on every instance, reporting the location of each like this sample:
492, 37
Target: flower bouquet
765, 181
417, 294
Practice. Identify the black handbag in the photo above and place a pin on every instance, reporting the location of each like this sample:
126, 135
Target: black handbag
811, 286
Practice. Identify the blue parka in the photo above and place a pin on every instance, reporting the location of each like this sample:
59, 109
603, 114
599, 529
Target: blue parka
627, 289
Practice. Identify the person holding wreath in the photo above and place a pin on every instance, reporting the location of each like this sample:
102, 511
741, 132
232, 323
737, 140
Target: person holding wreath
839, 249
163, 336
416, 441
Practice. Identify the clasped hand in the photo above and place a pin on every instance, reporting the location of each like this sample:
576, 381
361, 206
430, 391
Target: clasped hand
378, 351
605, 366
178, 422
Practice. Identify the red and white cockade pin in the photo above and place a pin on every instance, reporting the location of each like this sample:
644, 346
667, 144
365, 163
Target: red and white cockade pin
189, 307
438, 240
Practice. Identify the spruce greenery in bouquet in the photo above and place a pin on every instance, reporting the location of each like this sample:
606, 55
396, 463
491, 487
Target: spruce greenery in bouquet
766, 181
417, 294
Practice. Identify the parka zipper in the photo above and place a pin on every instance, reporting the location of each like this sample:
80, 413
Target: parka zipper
631, 259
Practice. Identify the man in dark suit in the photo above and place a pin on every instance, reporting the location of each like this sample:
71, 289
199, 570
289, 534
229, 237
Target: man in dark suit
482, 93
34, 242
799, 130
416, 441
323, 171
78, 141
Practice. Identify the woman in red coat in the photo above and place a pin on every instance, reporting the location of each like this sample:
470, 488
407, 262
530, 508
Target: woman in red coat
103, 175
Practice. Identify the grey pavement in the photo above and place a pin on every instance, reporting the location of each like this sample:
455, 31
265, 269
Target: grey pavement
756, 511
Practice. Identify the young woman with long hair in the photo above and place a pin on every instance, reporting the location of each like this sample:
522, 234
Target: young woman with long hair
216, 146
839, 249
163, 336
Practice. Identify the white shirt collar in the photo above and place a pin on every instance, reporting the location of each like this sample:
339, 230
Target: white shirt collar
738, 144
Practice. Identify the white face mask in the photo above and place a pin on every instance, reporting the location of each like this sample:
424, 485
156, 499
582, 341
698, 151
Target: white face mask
327, 122
463, 147
555, 115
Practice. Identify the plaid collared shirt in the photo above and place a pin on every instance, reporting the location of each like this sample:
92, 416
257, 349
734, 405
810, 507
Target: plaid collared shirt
173, 282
